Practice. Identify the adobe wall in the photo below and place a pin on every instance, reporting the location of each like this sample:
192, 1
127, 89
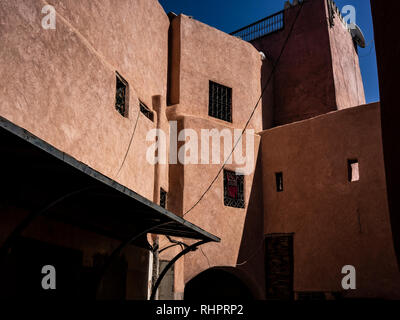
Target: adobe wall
335, 222
202, 53
303, 80
385, 21
349, 87
60, 84
211, 214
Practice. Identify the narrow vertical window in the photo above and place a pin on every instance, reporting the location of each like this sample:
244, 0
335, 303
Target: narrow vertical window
353, 170
163, 198
233, 189
279, 181
146, 111
220, 102
122, 95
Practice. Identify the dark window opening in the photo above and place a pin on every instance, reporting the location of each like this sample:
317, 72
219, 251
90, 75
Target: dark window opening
220, 102
122, 96
163, 198
279, 181
353, 170
146, 111
233, 189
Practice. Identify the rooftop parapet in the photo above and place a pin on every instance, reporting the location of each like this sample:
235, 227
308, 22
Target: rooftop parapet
258, 29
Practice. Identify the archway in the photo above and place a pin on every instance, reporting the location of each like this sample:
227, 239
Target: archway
219, 283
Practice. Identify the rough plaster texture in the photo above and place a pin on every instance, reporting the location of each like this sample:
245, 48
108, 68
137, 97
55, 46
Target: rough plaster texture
70, 99
385, 20
303, 81
335, 222
203, 56
200, 52
60, 85
318, 71
225, 222
349, 88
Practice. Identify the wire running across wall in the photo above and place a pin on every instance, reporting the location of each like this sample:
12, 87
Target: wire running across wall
253, 111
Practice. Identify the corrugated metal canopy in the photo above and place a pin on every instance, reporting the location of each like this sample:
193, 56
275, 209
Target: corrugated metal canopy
35, 174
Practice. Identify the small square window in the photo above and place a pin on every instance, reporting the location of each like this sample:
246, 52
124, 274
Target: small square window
146, 111
163, 198
353, 170
121, 95
279, 181
220, 102
233, 189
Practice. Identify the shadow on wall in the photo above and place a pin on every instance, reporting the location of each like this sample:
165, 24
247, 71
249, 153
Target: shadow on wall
251, 252
219, 283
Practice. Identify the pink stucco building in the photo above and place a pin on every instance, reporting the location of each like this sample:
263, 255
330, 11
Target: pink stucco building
82, 190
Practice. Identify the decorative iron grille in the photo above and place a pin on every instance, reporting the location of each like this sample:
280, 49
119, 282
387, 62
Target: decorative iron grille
121, 96
163, 198
233, 189
146, 111
220, 102
262, 27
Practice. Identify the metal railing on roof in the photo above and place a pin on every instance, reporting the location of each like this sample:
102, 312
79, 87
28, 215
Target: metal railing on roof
262, 27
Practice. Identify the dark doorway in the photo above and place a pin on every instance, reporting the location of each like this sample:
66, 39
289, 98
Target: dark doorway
279, 267
217, 283
21, 271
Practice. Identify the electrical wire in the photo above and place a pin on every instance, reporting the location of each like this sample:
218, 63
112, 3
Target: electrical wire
129, 146
252, 255
208, 261
254, 110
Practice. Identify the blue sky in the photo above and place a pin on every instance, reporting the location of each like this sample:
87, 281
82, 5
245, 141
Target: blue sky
231, 15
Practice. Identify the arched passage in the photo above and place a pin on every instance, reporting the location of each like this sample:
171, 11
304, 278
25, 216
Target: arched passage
219, 283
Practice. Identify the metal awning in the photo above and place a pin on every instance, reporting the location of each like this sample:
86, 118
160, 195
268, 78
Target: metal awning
34, 174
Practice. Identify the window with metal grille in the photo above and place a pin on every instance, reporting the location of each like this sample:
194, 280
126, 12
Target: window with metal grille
163, 198
146, 111
233, 189
220, 102
279, 181
121, 96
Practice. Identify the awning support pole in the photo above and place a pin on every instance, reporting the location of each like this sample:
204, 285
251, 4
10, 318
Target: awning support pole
193, 247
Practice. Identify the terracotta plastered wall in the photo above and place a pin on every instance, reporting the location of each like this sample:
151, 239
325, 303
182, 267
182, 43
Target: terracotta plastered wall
211, 214
303, 80
349, 86
60, 84
335, 222
201, 53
